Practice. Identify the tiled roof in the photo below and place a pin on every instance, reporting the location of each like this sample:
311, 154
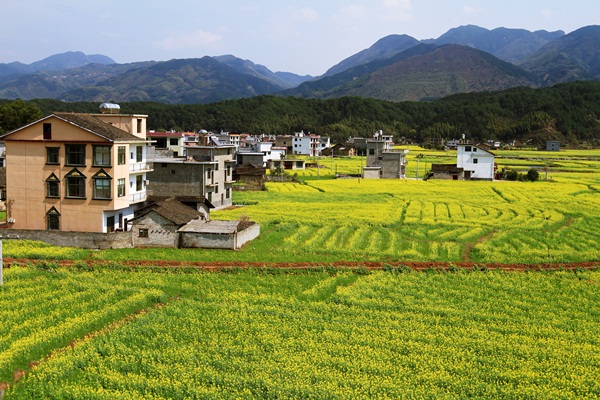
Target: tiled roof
97, 126
173, 210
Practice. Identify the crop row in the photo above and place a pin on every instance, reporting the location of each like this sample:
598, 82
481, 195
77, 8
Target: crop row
43, 311
382, 335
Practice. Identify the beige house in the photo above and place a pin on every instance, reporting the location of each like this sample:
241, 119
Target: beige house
76, 172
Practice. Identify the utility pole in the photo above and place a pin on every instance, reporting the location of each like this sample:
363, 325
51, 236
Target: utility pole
419, 156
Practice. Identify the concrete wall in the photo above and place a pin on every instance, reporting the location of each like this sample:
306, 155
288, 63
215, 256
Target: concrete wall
247, 235
207, 240
86, 240
219, 241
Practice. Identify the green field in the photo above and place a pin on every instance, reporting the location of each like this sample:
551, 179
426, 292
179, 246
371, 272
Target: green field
330, 332
355, 220
309, 335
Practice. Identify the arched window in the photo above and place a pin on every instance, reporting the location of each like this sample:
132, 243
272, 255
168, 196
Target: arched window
53, 219
75, 184
53, 186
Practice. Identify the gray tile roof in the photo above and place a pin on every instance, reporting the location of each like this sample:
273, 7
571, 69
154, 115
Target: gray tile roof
97, 126
171, 209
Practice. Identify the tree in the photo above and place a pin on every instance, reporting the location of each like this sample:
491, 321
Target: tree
16, 114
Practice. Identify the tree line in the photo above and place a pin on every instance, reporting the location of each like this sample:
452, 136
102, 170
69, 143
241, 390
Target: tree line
567, 112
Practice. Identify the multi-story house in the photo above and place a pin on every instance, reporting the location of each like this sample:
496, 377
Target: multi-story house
206, 173
476, 162
170, 140
309, 144
285, 141
76, 172
267, 150
383, 162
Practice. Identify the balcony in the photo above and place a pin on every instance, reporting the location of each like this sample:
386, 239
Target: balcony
137, 197
141, 167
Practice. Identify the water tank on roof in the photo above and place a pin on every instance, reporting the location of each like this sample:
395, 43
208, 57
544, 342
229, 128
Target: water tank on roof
109, 108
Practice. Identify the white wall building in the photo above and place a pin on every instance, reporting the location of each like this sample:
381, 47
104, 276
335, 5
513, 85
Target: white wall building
476, 162
309, 144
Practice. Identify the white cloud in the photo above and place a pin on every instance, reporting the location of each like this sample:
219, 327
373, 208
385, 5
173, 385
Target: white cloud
354, 11
191, 40
546, 13
468, 10
398, 10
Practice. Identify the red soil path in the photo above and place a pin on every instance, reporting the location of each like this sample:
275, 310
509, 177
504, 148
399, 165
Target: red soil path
369, 265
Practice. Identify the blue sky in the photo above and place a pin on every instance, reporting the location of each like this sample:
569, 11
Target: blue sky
304, 37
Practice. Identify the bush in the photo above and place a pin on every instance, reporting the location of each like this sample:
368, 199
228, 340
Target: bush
533, 175
512, 175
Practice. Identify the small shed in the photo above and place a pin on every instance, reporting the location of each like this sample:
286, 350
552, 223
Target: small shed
447, 171
552, 145
156, 224
217, 234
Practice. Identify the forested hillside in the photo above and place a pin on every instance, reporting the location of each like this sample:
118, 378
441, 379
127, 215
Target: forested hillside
568, 112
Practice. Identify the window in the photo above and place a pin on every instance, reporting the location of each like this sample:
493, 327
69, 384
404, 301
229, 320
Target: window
143, 233
474, 149
138, 153
47, 129
228, 192
138, 183
102, 186
101, 156
475, 161
53, 219
52, 155
121, 187
75, 154
139, 125
53, 186
371, 152
121, 155
173, 142
467, 148
75, 184
209, 196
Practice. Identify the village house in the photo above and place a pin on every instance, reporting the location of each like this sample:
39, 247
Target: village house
383, 162
77, 172
341, 150
309, 144
206, 173
170, 140
476, 162
285, 141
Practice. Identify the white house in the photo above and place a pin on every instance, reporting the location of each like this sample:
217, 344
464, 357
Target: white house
309, 144
476, 162
269, 152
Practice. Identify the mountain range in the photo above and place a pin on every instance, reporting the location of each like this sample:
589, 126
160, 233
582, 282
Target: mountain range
395, 68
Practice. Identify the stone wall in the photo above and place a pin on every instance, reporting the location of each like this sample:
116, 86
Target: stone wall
160, 232
86, 240
123, 240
